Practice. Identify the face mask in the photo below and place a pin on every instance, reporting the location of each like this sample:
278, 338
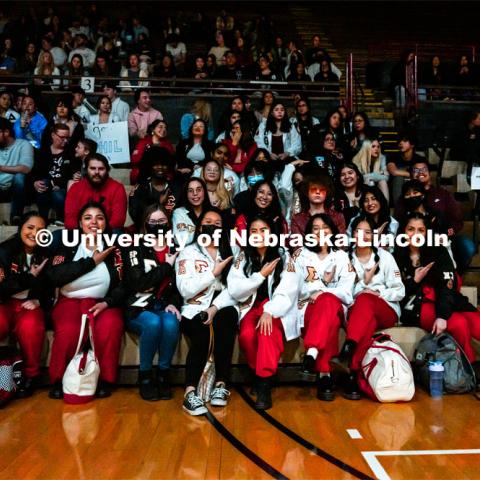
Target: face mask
156, 228
412, 203
209, 229
253, 179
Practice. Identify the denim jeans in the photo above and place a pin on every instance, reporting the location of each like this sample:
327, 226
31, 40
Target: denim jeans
52, 199
159, 331
463, 250
18, 195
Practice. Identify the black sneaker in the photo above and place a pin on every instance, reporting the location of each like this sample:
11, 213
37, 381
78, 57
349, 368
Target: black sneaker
308, 368
56, 391
194, 405
164, 389
219, 396
325, 389
147, 386
352, 392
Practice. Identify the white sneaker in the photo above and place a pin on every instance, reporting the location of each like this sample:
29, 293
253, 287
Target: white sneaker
219, 396
194, 405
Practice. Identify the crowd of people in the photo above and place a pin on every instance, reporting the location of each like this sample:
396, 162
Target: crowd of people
266, 170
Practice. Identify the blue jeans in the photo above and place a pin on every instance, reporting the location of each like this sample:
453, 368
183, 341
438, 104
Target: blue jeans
18, 195
52, 199
463, 250
159, 331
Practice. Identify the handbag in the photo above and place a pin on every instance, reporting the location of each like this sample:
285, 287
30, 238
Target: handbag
81, 376
10, 373
207, 380
387, 374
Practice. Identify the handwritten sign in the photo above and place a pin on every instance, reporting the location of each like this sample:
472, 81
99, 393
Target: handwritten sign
88, 84
112, 141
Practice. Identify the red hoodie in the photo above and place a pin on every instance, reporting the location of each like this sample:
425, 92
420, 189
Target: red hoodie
111, 195
245, 157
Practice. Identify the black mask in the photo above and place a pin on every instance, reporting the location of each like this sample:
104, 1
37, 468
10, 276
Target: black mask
209, 229
156, 228
412, 203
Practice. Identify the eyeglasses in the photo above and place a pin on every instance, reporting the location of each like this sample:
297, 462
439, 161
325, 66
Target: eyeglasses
64, 138
420, 170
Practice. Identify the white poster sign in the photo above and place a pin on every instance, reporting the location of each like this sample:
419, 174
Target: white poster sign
88, 84
112, 140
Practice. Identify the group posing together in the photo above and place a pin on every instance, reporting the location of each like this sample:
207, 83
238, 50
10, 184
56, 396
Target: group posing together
294, 175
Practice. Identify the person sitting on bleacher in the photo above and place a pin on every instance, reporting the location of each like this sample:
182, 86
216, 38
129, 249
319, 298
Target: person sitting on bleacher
433, 300
156, 174
83, 149
31, 124
97, 186
16, 160
23, 296
51, 173
120, 108
438, 198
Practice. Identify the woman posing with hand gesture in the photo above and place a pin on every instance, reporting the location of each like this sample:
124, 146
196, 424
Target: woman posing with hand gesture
433, 301
263, 279
377, 293
327, 286
201, 273
88, 276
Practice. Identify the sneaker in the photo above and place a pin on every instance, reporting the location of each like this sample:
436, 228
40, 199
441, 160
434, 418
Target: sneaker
219, 396
194, 405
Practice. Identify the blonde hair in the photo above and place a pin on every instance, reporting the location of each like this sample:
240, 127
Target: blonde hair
363, 159
225, 199
43, 68
202, 109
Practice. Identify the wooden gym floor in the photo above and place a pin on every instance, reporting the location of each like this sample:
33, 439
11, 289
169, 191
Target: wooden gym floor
123, 437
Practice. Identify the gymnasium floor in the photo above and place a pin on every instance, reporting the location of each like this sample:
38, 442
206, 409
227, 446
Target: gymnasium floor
123, 437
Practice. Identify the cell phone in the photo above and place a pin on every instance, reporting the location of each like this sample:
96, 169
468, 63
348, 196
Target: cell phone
320, 160
201, 317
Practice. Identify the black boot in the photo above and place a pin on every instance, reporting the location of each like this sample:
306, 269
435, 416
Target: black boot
148, 386
264, 394
325, 389
308, 368
342, 362
164, 389
104, 389
56, 391
352, 392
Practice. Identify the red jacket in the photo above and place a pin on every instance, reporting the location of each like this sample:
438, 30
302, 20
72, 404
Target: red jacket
111, 195
143, 145
245, 157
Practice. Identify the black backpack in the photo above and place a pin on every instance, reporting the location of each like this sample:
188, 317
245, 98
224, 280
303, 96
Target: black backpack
458, 376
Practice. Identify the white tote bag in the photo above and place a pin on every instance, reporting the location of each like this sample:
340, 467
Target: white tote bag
388, 371
81, 376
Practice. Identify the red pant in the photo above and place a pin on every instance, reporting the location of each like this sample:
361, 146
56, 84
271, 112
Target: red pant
322, 321
262, 351
461, 325
368, 314
28, 326
107, 334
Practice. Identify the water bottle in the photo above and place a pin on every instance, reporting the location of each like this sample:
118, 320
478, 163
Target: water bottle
435, 370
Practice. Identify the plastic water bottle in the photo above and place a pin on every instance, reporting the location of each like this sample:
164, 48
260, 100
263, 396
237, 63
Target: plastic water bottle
436, 369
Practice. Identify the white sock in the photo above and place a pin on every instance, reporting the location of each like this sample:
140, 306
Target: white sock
324, 375
313, 352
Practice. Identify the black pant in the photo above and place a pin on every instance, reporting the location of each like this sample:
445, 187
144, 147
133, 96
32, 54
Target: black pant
225, 326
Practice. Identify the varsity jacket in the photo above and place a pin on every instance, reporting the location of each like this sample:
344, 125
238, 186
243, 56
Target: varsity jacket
292, 142
442, 282
312, 269
282, 301
196, 282
182, 226
144, 275
62, 269
15, 276
387, 281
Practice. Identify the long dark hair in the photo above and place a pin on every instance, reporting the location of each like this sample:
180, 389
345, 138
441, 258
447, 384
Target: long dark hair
224, 246
325, 125
360, 182
98, 206
253, 262
274, 210
368, 130
271, 125
186, 204
384, 213
246, 141
355, 223
329, 222
204, 140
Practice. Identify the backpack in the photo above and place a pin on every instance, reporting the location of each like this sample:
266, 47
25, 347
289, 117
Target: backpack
386, 373
10, 373
458, 376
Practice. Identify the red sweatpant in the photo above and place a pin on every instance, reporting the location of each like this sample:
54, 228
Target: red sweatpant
262, 351
107, 334
28, 326
368, 314
461, 325
322, 322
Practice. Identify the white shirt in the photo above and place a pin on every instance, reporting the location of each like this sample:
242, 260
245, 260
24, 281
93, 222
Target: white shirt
121, 109
196, 153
